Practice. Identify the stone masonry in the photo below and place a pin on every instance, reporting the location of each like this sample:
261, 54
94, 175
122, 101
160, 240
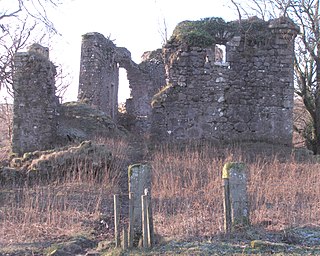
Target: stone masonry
248, 98
145, 80
99, 74
99, 77
35, 102
184, 91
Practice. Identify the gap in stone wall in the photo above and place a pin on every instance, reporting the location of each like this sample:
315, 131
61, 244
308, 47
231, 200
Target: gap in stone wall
220, 53
124, 92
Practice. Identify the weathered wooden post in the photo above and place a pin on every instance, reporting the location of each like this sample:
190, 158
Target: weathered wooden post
145, 228
139, 180
125, 238
146, 220
236, 209
131, 219
150, 233
116, 220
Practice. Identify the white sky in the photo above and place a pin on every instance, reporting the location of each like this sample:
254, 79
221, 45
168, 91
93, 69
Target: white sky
133, 24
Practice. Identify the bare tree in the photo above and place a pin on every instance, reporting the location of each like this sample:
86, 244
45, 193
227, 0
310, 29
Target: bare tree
163, 31
162, 25
22, 22
62, 81
36, 9
6, 123
305, 13
265, 9
11, 42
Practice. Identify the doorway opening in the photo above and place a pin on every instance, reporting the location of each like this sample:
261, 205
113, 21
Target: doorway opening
124, 91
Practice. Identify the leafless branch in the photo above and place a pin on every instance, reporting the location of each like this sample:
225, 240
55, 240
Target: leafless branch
7, 14
62, 82
163, 31
14, 41
238, 9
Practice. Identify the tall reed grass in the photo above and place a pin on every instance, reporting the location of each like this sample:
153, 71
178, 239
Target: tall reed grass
187, 194
70, 205
187, 191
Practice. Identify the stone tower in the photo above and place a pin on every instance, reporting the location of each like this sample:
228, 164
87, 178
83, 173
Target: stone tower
99, 74
35, 104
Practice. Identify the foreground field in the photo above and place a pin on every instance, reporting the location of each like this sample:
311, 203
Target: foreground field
284, 196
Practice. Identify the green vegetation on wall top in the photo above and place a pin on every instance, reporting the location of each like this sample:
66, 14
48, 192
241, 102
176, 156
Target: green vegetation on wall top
209, 31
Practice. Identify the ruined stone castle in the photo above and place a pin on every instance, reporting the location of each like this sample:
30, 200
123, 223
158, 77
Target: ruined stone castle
188, 90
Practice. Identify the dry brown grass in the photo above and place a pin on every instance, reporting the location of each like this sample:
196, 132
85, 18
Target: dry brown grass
46, 213
187, 196
186, 185
187, 192
64, 207
284, 194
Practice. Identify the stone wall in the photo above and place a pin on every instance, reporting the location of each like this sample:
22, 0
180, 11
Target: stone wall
99, 74
181, 92
35, 103
40, 122
145, 80
99, 78
249, 98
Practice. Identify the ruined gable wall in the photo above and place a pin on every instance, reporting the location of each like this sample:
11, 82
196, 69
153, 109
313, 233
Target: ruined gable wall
99, 74
250, 100
99, 78
145, 80
191, 106
153, 63
35, 103
260, 96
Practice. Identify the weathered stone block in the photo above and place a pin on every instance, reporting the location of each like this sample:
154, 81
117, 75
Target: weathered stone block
236, 174
139, 182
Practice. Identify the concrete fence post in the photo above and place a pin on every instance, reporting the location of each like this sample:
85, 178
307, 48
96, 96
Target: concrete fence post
236, 209
139, 181
226, 206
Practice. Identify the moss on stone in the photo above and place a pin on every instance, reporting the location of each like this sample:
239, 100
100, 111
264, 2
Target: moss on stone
201, 33
263, 245
134, 166
42, 165
75, 246
228, 166
161, 95
130, 169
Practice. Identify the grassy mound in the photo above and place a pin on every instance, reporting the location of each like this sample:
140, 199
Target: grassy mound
79, 121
